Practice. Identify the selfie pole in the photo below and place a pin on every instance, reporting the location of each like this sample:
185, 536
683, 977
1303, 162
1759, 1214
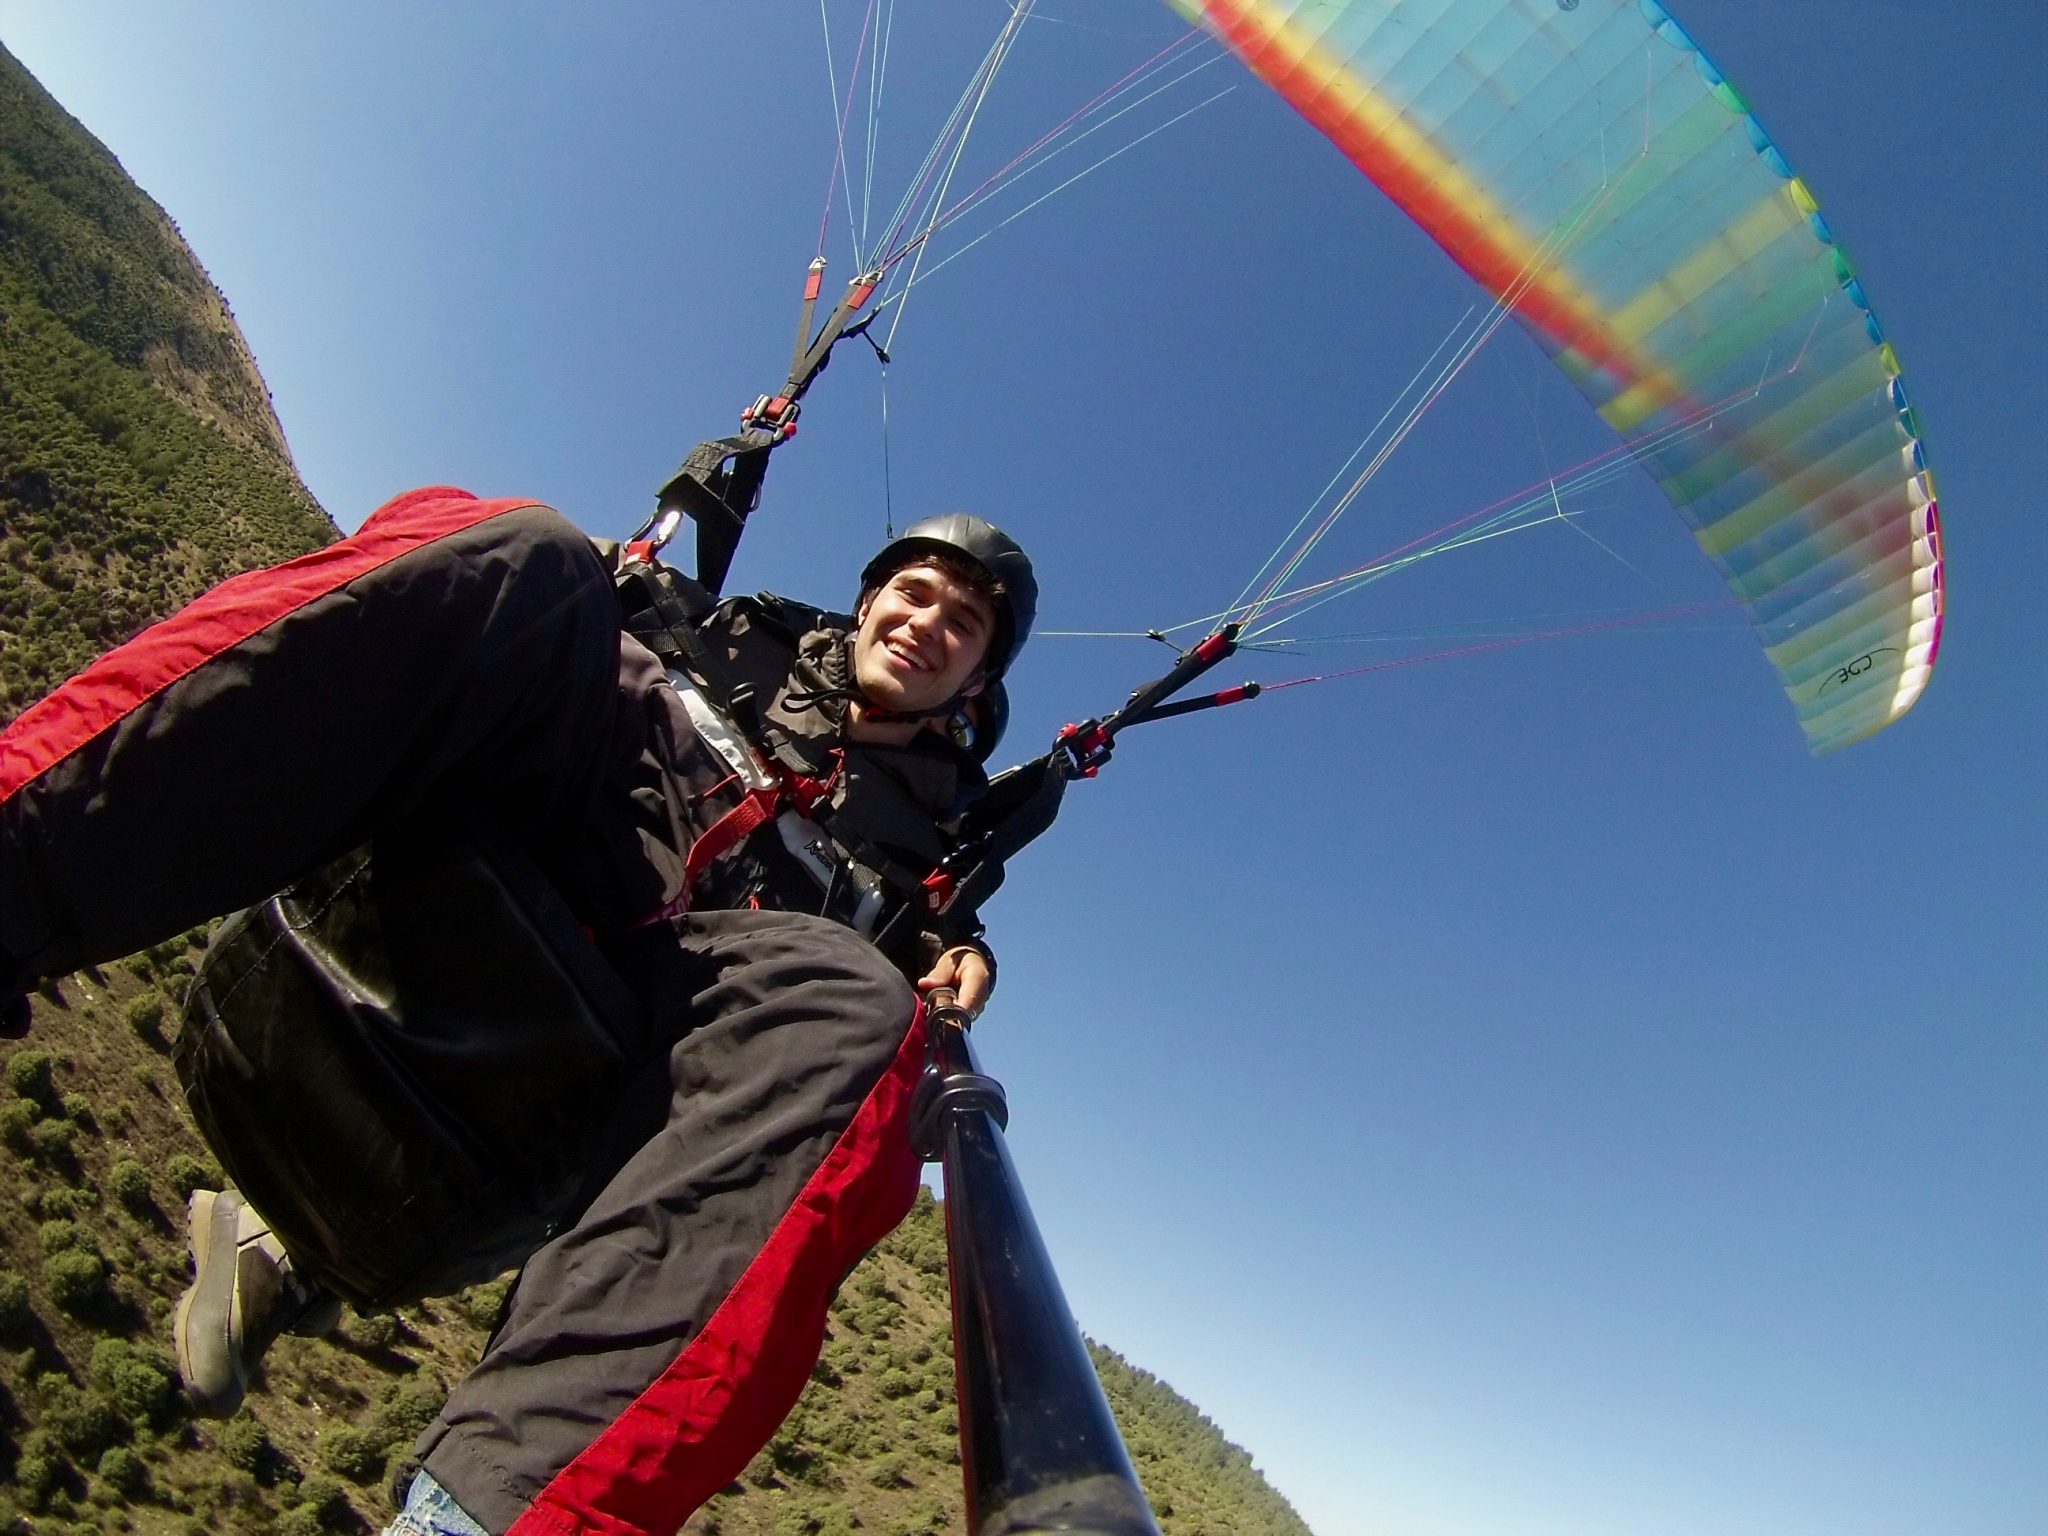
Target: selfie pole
1039, 1449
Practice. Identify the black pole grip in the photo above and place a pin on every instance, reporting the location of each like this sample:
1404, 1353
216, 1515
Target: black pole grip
1039, 1448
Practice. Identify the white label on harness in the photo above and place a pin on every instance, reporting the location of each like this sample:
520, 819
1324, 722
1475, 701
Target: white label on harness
813, 849
720, 735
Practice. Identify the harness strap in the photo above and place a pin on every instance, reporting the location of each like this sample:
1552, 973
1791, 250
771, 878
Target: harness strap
770, 787
756, 810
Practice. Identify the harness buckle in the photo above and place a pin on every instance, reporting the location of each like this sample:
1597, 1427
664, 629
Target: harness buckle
1083, 748
773, 414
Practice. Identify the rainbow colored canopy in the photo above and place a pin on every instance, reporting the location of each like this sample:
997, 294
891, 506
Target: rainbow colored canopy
1592, 169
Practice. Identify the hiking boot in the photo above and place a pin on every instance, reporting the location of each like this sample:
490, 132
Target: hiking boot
243, 1295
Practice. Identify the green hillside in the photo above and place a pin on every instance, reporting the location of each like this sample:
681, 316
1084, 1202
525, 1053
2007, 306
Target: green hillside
139, 463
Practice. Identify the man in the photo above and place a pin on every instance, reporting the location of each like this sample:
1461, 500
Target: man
740, 806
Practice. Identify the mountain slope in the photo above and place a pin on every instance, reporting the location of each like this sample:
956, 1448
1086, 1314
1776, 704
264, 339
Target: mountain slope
140, 461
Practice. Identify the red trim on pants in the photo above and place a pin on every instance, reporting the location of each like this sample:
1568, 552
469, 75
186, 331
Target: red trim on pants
128, 676
694, 1430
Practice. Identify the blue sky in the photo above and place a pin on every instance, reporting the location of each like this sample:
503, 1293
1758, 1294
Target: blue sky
1513, 1095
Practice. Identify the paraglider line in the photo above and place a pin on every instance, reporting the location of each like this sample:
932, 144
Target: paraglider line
958, 125
1108, 93
954, 256
842, 113
1493, 645
988, 77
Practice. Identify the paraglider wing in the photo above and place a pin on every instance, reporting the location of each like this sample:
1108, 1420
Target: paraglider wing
1588, 165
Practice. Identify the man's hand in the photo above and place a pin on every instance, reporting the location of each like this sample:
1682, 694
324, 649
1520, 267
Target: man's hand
964, 970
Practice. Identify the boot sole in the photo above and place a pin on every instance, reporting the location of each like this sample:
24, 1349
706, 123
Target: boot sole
208, 1306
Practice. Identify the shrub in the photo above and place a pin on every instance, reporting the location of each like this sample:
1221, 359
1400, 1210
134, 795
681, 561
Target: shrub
122, 1470
300, 1520
76, 1279
815, 1519
78, 1110
188, 1173
58, 1203
138, 1379
483, 1304
16, 1311
324, 1496
146, 1017
372, 1330
405, 1409
62, 1234
51, 1140
82, 1422
889, 1471
128, 1182
39, 1469
29, 1075
897, 1382
245, 1444
357, 1454
923, 1515
17, 1119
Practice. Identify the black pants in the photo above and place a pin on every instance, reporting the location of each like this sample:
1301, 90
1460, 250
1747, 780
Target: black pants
465, 652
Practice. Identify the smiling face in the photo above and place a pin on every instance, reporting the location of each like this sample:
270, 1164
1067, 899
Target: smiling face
921, 639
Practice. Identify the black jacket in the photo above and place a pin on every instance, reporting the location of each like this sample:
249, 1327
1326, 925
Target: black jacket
778, 672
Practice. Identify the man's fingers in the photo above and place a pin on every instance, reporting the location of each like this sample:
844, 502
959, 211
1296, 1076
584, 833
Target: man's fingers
972, 971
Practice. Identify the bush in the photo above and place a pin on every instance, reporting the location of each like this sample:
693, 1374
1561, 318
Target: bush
29, 1075
16, 1310
357, 1454
78, 1110
122, 1470
58, 1203
246, 1445
482, 1305
188, 1173
39, 1470
82, 1422
76, 1279
51, 1140
62, 1234
372, 1330
17, 1119
300, 1520
324, 1496
128, 1182
405, 1409
897, 1382
889, 1471
138, 1379
146, 1017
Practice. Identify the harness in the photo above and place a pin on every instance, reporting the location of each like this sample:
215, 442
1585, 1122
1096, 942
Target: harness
770, 792
663, 609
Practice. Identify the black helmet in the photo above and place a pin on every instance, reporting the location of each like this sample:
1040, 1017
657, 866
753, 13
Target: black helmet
982, 544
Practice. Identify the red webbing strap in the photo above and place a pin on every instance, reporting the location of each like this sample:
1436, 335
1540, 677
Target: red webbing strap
728, 831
